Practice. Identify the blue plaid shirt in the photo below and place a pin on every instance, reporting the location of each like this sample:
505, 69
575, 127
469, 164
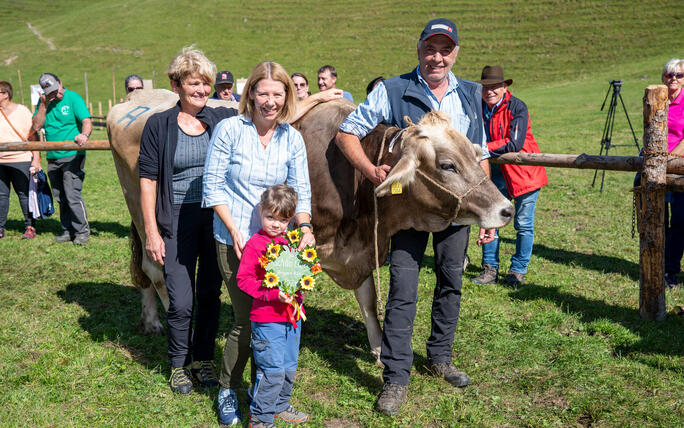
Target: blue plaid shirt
238, 170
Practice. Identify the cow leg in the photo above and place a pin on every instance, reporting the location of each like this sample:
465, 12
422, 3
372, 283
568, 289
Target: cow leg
149, 319
366, 297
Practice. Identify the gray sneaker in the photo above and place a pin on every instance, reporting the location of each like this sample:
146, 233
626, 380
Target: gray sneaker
292, 416
449, 373
391, 398
64, 237
515, 278
82, 239
489, 275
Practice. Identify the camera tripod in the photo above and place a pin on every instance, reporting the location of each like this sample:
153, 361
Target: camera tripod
606, 139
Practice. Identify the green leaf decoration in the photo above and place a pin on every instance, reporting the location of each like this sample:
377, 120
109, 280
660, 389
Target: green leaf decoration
290, 269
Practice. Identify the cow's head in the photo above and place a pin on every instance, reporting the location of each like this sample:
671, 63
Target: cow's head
438, 169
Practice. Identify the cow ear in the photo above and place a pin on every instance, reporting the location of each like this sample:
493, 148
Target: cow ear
403, 172
408, 121
478, 152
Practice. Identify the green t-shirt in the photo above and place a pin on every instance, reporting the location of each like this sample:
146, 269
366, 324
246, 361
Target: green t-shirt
63, 121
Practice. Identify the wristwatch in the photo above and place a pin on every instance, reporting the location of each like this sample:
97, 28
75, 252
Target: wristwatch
86, 135
309, 225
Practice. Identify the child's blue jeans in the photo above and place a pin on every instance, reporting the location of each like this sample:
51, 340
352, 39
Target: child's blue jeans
276, 349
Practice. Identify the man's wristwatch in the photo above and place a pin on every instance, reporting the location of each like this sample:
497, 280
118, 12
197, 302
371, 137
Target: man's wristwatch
86, 135
309, 225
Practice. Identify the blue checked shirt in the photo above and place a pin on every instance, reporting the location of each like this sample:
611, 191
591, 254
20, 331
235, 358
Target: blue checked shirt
376, 109
238, 170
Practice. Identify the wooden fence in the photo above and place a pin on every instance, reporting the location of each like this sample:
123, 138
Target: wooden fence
660, 173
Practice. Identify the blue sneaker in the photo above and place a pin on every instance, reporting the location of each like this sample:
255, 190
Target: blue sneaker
671, 280
228, 411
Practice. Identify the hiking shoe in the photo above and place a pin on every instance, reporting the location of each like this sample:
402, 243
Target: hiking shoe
256, 423
2, 233
292, 416
515, 278
180, 380
449, 373
82, 239
671, 280
391, 398
30, 233
489, 275
64, 237
205, 373
228, 411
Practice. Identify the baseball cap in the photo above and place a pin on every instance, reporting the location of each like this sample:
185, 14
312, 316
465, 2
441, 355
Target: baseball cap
49, 83
440, 26
224, 77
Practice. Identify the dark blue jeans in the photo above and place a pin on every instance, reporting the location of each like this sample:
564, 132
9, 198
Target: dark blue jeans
674, 232
408, 248
276, 350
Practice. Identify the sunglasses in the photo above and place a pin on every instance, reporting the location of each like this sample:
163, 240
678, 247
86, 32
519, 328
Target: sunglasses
133, 89
673, 75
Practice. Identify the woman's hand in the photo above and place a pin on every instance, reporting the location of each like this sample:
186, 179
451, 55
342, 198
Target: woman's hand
154, 246
238, 244
307, 239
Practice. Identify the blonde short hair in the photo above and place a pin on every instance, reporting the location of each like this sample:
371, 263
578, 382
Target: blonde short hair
191, 61
675, 65
273, 71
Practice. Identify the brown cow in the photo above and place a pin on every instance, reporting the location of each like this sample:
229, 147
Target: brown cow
342, 199
441, 181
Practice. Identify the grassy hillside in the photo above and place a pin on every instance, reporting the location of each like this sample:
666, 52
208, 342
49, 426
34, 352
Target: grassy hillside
568, 349
538, 42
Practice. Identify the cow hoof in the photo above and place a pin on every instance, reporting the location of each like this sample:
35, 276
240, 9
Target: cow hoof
155, 329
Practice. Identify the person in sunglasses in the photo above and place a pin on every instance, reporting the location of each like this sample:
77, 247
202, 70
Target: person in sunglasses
673, 78
133, 82
301, 85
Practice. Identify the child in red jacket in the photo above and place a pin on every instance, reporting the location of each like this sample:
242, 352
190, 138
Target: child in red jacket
275, 340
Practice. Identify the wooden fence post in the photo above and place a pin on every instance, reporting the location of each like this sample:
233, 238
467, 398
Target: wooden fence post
652, 206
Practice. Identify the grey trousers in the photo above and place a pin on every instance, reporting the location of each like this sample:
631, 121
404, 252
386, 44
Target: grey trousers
237, 350
66, 178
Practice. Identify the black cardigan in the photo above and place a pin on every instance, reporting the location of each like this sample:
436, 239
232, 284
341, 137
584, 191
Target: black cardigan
157, 150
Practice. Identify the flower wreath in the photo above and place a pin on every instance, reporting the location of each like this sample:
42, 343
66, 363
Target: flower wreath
290, 269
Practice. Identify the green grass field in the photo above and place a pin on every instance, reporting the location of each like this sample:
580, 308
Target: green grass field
567, 349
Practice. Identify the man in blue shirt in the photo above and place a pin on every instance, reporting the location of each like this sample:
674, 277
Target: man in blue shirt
327, 78
430, 86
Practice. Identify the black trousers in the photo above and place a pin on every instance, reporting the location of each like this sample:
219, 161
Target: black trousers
408, 248
15, 174
191, 272
66, 178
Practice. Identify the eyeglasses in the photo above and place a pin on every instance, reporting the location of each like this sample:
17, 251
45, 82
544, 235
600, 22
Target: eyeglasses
300, 85
133, 89
674, 75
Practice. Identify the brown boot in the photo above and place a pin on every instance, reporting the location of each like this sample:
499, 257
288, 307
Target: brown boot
391, 398
449, 373
515, 278
489, 275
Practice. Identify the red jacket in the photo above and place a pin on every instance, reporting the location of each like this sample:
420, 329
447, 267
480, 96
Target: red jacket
510, 131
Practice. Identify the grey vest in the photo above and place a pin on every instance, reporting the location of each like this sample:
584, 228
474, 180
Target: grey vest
407, 98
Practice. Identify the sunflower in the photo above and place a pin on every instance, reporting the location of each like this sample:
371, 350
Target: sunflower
263, 261
273, 250
307, 283
271, 280
309, 254
293, 236
316, 268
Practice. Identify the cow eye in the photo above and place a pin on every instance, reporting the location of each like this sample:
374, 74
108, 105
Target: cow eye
448, 166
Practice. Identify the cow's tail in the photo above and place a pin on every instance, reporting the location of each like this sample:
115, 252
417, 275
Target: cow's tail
137, 275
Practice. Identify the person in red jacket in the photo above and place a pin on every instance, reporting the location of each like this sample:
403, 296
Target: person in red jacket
507, 126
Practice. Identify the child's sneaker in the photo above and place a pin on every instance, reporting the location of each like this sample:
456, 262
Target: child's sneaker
292, 416
228, 410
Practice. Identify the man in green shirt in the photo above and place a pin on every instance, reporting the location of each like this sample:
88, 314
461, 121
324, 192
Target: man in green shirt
65, 117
